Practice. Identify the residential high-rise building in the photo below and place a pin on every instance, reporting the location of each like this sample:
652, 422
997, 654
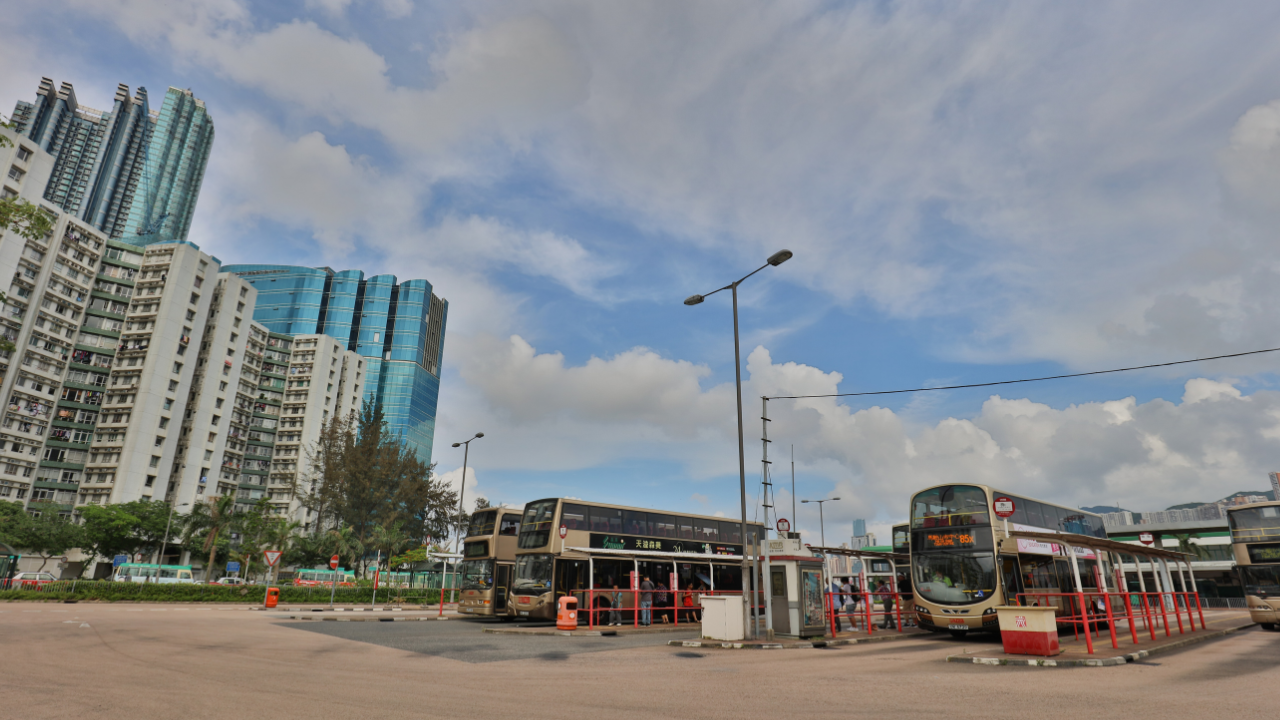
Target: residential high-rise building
131, 172
1275, 485
397, 327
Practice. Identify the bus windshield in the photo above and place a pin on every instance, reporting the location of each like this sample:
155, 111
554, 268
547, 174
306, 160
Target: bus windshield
954, 578
1261, 580
1255, 523
535, 528
950, 506
476, 574
482, 523
533, 575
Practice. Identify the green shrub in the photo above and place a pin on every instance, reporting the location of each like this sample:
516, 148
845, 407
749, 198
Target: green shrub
107, 591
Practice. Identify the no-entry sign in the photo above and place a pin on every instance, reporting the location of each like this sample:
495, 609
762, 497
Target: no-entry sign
272, 557
333, 562
563, 531
1146, 538
1004, 507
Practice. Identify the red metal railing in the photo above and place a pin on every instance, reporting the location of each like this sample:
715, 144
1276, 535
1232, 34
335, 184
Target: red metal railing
668, 605
1087, 611
863, 604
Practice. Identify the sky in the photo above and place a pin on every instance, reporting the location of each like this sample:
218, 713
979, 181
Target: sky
972, 191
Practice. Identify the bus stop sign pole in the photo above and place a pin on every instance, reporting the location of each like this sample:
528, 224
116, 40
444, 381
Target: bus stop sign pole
333, 588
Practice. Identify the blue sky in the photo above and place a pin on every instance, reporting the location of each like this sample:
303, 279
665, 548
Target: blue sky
973, 192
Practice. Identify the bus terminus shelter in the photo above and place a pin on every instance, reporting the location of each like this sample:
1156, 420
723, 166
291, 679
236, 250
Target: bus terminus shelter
1107, 595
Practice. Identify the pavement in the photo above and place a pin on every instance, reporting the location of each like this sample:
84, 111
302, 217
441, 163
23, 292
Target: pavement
191, 662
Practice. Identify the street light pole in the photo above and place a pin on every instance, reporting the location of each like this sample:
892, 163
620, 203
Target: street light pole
165, 542
747, 608
822, 533
462, 494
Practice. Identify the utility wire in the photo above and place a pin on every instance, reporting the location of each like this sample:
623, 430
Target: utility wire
1026, 380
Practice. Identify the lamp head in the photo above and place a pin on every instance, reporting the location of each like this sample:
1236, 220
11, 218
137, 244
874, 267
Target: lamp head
804, 501
835, 498
780, 257
694, 300
457, 444
479, 435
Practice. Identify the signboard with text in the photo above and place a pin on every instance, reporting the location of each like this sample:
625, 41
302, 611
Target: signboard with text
666, 545
1003, 507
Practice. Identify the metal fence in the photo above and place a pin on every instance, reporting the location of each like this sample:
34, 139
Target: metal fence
1221, 603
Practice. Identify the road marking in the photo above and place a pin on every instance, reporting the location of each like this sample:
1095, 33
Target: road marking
84, 625
32, 611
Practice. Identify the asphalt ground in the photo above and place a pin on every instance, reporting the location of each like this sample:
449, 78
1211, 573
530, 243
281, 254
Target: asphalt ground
111, 661
462, 640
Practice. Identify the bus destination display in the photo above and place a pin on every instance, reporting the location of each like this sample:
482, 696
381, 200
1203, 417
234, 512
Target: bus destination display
949, 540
1264, 553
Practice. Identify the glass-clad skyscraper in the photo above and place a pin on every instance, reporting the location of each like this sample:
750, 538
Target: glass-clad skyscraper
132, 172
398, 326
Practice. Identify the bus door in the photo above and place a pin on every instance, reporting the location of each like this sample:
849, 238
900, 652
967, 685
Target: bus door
1012, 577
571, 579
501, 584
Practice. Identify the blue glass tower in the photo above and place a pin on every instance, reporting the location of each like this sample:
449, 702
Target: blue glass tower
398, 326
132, 172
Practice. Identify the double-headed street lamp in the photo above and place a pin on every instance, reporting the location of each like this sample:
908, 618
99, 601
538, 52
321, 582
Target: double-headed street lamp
822, 530
462, 492
776, 259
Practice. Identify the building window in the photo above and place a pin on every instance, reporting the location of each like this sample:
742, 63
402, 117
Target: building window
195, 298
23, 154
164, 423
177, 367
155, 462
173, 384
16, 173
151, 479
159, 442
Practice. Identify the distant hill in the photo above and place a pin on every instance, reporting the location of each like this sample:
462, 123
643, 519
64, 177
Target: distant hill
1269, 494
1186, 506
1103, 509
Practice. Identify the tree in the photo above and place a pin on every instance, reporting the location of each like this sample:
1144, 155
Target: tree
1186, 546
344, 543
389, 542
151, 524
49, 533
365, 477
15, 523
108, 531
210, 518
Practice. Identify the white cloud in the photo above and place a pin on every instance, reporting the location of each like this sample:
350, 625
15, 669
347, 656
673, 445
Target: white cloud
543, 414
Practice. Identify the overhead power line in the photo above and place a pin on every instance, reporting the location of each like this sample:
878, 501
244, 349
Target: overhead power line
1026, 380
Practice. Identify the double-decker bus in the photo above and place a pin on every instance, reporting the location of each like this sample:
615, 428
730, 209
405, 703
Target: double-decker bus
963, 564
1255, 539
489, 562
571, 547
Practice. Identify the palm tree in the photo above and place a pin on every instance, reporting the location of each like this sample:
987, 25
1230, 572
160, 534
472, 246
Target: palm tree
211, 516
1186, 546
391, 541
344, 542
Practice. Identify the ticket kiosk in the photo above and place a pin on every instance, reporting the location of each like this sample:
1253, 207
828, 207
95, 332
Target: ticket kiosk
796, 589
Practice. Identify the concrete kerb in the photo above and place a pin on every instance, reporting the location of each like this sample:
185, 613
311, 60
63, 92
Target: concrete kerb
583, 632
790, 645
1096, 662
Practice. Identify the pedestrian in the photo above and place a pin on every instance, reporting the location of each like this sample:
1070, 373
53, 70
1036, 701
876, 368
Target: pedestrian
615, 609
646, 601
663, 599
847, 605
905, 596
886, 596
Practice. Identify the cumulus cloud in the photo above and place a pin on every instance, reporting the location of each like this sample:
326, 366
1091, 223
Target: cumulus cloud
547, 415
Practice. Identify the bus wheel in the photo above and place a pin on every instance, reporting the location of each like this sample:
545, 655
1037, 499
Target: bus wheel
1268, 626
958, 634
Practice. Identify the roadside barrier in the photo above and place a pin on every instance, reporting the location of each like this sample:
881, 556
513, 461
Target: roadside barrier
668, 607
107, 590
858, 607
1086, 612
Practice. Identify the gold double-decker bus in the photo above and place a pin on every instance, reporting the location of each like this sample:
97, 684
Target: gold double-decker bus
584, 549
1255, 540
488, 562
963, 564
